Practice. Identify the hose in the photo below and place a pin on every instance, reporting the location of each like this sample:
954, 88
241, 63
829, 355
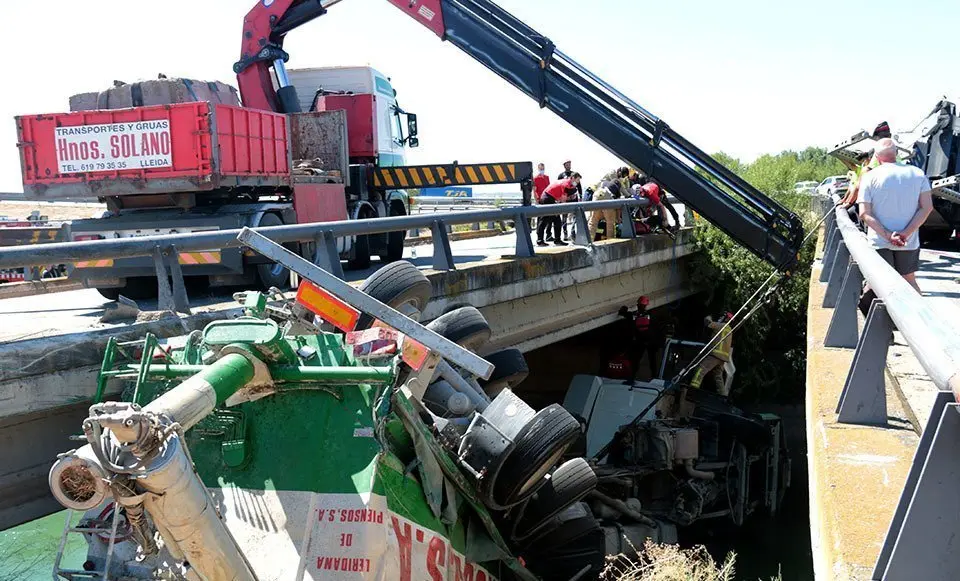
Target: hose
622, 508
694, 473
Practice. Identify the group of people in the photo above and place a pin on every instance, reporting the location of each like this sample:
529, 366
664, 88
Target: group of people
890, 200
626, 183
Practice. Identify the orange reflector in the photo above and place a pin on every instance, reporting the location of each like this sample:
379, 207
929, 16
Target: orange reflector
328, 307
204, 257
412, 353
106, 263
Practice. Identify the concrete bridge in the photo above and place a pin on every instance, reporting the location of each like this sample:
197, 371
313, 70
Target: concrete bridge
51, 345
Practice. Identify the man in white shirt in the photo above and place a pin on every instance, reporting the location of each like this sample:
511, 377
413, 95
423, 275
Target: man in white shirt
895, 202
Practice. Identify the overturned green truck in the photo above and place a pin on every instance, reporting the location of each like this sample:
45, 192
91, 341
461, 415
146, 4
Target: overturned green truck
334, 437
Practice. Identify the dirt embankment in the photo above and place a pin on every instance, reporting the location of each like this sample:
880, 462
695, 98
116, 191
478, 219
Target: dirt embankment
56, 211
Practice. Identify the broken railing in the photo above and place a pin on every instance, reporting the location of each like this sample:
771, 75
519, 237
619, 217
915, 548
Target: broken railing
919, 543
321, 236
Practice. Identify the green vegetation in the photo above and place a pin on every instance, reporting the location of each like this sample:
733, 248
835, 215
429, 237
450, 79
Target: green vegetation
770, 349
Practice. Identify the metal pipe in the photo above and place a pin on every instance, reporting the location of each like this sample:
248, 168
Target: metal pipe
621, 507
281, 70
932, 338
20, 256
291, 373
694, 473
195, 398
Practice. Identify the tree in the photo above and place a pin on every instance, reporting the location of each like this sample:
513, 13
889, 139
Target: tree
770, 349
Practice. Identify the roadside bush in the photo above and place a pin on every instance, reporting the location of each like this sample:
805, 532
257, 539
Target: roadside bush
770, 349
670, 563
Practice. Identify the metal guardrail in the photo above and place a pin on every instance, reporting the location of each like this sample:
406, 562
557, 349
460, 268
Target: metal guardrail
322, 236
920, 541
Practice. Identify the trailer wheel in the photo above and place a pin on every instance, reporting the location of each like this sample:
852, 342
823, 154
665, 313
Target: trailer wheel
509, 370
395, 285
395, 239
464, 326
538, 448
135, 287
568, 484
271, 273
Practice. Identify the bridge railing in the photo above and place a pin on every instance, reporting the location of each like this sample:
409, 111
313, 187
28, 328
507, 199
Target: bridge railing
321, 238
920, 541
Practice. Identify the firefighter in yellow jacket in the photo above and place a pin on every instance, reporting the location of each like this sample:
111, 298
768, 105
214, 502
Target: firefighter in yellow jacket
713, 363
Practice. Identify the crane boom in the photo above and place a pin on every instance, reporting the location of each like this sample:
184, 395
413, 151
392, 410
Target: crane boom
531, 62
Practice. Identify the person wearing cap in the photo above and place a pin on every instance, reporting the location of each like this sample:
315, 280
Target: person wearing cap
558, 192
540, 183
567, 173
607, 190
641, 335
722, 350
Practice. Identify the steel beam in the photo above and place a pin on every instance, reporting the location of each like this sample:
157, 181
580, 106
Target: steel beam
442, 254
364, 302
837, 272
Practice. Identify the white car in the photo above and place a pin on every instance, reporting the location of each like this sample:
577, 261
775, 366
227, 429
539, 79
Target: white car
833, 185
805, 187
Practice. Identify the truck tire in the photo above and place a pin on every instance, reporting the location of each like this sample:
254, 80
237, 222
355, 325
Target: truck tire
136, 288
572, 524
539, 446
395, 285
509, 370
464, 326
395, 239
272, 274
568, 484
584, 546
361, 245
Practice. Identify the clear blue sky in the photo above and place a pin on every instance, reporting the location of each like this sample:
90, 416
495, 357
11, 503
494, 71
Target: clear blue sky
746, 77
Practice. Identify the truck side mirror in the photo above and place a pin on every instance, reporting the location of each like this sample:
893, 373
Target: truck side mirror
412, 126
413, 142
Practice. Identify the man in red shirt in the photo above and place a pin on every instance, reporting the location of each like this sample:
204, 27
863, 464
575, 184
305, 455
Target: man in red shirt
556, 193
540, 183
651, 191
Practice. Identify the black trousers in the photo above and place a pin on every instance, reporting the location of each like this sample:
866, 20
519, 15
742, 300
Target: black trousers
544, 223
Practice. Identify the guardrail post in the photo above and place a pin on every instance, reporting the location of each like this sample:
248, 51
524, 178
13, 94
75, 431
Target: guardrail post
166, 264
626, 223
837, 272
442, 254
843, 324
582, 230
829, 253
864, 396
524, 236
475, 226
926, 542
913, 477
326, 255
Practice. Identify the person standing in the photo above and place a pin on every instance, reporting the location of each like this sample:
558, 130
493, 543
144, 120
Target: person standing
722, 350
556, 193
895, 201
642, 340
540, 183
608, 190
867, 162
566, 174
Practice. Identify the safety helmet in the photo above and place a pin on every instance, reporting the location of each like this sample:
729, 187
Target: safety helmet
643, 300
728, 315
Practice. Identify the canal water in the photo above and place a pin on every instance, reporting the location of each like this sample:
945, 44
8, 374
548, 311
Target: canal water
27, 552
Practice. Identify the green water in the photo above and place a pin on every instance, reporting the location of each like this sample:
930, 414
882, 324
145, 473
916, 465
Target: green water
27, 552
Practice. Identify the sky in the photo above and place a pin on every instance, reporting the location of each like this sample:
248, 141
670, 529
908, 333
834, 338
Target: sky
745, 77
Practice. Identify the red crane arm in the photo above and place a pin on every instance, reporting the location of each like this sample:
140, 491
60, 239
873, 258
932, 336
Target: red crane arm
265, 26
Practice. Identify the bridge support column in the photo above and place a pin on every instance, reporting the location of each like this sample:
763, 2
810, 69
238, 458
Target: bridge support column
843, 324
864, 396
